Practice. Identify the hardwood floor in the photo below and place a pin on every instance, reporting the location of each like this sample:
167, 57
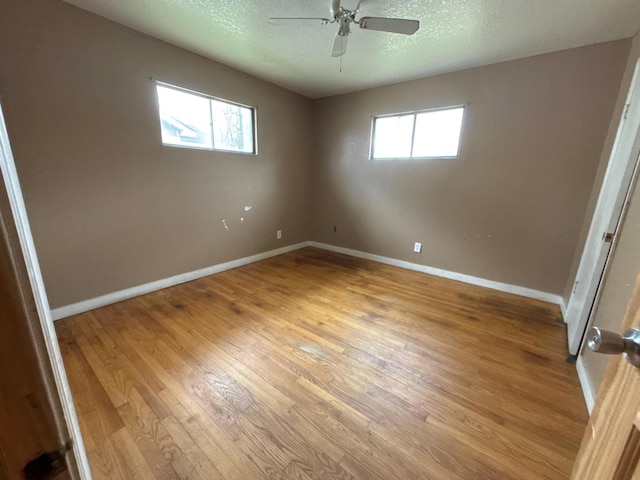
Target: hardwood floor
314, 365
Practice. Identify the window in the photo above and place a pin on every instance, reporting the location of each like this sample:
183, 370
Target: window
426, 134
193, 120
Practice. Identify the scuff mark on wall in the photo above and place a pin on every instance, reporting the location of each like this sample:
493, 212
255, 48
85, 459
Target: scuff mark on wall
226, 225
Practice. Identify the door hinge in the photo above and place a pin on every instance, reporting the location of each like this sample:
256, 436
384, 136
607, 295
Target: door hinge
626, 111
575, 286
47, 465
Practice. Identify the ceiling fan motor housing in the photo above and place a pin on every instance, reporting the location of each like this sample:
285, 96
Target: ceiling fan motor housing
344, 22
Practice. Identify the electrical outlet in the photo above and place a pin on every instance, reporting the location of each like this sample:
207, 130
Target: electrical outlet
417, 247
335, 229
278, 234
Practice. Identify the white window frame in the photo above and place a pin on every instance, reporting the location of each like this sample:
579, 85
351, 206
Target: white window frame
414, 113
254, 120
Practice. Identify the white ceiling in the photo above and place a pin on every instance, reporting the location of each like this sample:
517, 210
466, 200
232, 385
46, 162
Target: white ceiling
454, 35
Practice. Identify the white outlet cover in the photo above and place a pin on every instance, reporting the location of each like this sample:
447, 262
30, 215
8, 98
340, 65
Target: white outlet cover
417, 247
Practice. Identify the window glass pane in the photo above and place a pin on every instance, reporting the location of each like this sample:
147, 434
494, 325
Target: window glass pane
232, 127
185, 119
438, 133
393, 136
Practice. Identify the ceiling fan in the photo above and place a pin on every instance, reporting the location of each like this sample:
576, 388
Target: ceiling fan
344, 18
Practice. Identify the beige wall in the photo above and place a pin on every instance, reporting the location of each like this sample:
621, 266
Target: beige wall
110, 207
510, 209
625, 262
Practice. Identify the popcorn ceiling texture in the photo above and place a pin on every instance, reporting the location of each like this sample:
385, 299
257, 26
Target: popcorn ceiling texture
454, 35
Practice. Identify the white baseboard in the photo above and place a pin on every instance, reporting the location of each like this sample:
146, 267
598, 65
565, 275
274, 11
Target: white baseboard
461, 277
127, 293
585, 383
86, 305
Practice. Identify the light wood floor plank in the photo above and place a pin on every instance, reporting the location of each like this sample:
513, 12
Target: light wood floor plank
318, 366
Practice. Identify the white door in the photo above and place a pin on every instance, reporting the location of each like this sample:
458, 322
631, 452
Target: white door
606, 217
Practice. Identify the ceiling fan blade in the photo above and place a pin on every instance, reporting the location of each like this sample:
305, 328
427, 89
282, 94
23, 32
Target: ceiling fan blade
298, 21
335, 8
393, 25
339, 46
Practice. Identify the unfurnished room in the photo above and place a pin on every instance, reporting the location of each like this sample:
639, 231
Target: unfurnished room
320, 239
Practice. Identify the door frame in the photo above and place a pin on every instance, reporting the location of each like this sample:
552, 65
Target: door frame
624, 157
32, 285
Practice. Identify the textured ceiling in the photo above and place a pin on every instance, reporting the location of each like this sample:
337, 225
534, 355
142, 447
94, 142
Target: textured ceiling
454, 34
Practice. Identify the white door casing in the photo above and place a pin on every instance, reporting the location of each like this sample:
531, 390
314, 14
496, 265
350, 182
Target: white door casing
606, 216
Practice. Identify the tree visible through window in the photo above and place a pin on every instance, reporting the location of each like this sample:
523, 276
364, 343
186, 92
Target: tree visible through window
193, 120
232, 126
